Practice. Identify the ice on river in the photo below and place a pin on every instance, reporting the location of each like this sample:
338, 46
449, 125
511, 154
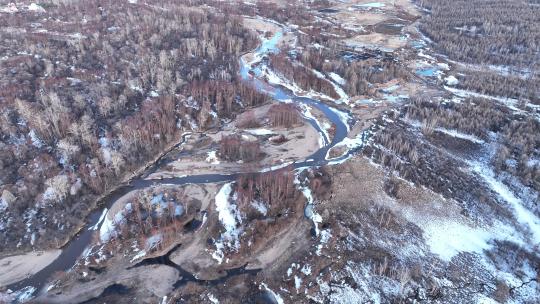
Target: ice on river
323, 132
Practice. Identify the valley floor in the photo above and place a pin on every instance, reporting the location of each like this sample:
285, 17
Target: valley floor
362, 201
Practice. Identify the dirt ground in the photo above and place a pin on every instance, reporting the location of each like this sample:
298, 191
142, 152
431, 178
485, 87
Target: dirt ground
269, 254
369, 18
360, 173
376, 41
17, 267
261, 25
303, 140
281, 246
354, 177
158, 281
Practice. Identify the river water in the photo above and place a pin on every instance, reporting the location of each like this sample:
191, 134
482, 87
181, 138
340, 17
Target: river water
73, 250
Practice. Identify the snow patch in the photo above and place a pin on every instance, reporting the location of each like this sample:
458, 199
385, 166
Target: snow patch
297, 283
101, 218
276, 167
11, 8
306, 269
326, 235
260, 132
457, 134
109, 226
451, 80
522, 214
230, 217
338, 79
482, 299
343, 97
260, 206
25, 294
371, 4
309, 210
36, 8
36, 141
351, 144
276, 296
139, 255
447, 239
212, 158
153, 241
57, 188
509, 102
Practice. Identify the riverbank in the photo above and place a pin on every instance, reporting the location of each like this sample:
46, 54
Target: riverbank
303, 142
17, 267
200, 154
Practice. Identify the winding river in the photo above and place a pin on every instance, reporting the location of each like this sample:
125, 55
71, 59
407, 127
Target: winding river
73, 250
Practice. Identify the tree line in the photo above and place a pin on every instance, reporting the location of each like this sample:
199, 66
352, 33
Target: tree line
97, 89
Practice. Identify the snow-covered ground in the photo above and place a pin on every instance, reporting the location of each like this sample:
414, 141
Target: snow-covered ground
451, 80
259, 132
521, 213
337, 78
109, 226
372, 4
336, 81
510, 103
457, 134
279, 80
230, 219
212, 158
260, 206
278, 299
449, 132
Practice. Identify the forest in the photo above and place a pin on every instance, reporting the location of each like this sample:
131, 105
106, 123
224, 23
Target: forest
90, 90
485, 32
516, 148
502, 35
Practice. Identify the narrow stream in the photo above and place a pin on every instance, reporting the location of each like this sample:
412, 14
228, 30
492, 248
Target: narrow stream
73, 250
